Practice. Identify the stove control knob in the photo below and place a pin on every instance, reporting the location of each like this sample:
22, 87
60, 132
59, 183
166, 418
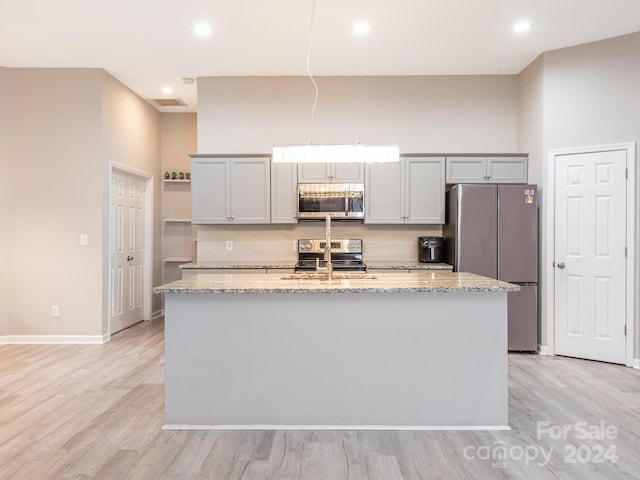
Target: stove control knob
353, 245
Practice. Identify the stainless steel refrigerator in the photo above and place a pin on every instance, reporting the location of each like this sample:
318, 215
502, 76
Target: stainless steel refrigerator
492, 230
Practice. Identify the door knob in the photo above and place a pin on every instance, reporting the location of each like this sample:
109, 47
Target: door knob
561, 265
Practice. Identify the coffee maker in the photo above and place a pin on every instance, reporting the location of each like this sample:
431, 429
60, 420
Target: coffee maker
430, 249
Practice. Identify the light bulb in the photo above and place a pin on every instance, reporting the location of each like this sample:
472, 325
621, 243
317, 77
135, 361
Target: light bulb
203, 30
361, 27
521, 27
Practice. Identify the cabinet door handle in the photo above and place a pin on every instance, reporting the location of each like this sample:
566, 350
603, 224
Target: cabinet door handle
129, 258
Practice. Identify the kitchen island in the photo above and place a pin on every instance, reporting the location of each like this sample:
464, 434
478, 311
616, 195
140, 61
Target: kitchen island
421, 350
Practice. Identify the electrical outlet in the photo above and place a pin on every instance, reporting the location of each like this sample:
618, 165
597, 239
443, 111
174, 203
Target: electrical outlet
55, 310
295, 245
84, 239
229, 245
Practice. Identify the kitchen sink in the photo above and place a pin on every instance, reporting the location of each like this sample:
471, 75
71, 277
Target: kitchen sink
323, 276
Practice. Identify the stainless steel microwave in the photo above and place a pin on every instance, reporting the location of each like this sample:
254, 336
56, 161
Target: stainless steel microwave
340, 200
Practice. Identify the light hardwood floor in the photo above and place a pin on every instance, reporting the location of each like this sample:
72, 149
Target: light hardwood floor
85, 412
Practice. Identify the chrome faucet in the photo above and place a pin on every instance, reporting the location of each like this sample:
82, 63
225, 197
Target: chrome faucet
328, 269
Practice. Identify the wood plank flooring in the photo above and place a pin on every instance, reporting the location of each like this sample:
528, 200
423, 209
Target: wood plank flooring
96, 412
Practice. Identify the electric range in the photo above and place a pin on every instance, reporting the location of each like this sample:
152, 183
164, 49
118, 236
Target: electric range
346, 255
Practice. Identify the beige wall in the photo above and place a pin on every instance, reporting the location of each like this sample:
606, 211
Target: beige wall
57, 171
66, 126
580, 96
421, 114
178, 140
130, 137
5, 176
591, 97
530, 131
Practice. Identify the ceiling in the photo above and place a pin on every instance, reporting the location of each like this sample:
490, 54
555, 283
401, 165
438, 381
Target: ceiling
150, 44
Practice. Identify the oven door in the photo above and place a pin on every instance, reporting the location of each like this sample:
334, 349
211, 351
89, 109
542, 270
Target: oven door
318, 200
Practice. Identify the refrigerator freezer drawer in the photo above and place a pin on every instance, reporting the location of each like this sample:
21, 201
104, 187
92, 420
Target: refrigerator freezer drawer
523, 318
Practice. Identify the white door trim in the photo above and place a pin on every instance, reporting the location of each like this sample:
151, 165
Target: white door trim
148, 236
630, 240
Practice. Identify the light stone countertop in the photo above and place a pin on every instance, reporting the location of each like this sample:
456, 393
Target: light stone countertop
239, 266
397, 265
386, 265
419, 282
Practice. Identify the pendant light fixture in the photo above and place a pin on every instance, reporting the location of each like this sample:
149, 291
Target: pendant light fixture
312, 153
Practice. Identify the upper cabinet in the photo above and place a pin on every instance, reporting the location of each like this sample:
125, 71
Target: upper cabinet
230, 190
331, 173
487, 169
412, 191
284, 195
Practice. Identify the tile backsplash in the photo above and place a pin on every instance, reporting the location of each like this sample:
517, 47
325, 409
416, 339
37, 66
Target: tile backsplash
275, 243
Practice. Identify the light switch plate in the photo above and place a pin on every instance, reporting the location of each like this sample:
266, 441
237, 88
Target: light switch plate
84, 239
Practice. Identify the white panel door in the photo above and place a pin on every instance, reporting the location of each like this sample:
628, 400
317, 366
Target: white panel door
590, 232
127, 251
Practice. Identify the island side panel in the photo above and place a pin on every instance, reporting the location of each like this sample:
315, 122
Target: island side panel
336, 359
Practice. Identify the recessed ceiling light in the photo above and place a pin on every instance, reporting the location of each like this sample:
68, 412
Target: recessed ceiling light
361, 27
520, 27
203, 30
167, 90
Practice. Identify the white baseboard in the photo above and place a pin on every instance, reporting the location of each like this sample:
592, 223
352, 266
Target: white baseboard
4, 340
542, 350
157, 314
59, 339
636, 363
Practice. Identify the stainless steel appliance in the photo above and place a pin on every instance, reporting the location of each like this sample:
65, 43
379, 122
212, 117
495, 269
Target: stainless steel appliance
340, 200
430, 249
492, 230
346, 255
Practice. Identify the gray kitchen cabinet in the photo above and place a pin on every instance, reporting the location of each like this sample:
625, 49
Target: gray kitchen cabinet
383, 196
499, 169
284, 195
412, 191
331, 173
230, 190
